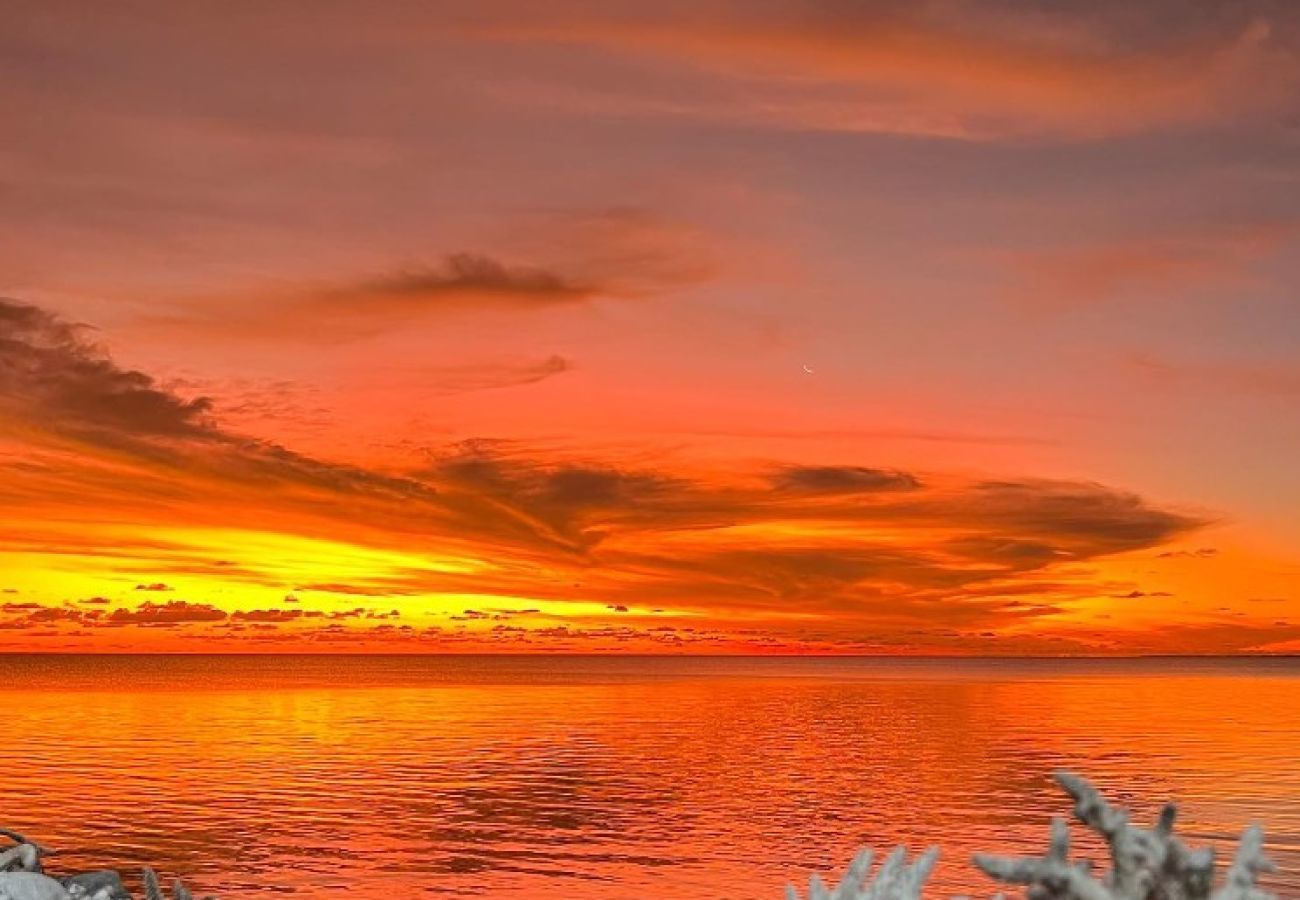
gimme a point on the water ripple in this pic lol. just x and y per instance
(599, 779)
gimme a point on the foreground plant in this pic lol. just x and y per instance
(1145, 864)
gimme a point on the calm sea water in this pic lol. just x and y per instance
(621, 777)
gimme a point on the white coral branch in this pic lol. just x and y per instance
(894, 880)
(1052, 875)
(1249, 862)
(30, 886)
(1146, 864)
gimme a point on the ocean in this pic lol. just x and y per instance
(611, 778)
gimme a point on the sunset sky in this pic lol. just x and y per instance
(931, 326)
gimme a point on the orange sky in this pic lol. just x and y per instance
(708, 327)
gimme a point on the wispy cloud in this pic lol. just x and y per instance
(938, 69)
(492, 376)
(1145, 266)
(464, 278)
(902, 435)
(1278, 380)
(578, 258)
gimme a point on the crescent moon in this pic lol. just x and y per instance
(807, 370)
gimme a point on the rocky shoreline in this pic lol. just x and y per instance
(23, 877)
(1146, 864)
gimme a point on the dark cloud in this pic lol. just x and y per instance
(845, 580)
(463, 379)
(53, 381)
(1082, 519)
(611, 253)
(562, 507)
(952, 541)
(155, 586)
(1200, 553)
(1005, 551)
(463, 278)
(47, 614)
(274, 615)
(173, 612)
(1035, 521)
(250, 404)
(1227, 637)
(843, 479)
(47, 365)
(356, 590)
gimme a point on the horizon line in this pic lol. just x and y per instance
(547, 655)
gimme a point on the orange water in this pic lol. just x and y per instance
(619, 777)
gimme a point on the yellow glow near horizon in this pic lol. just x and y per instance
(231, 561)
